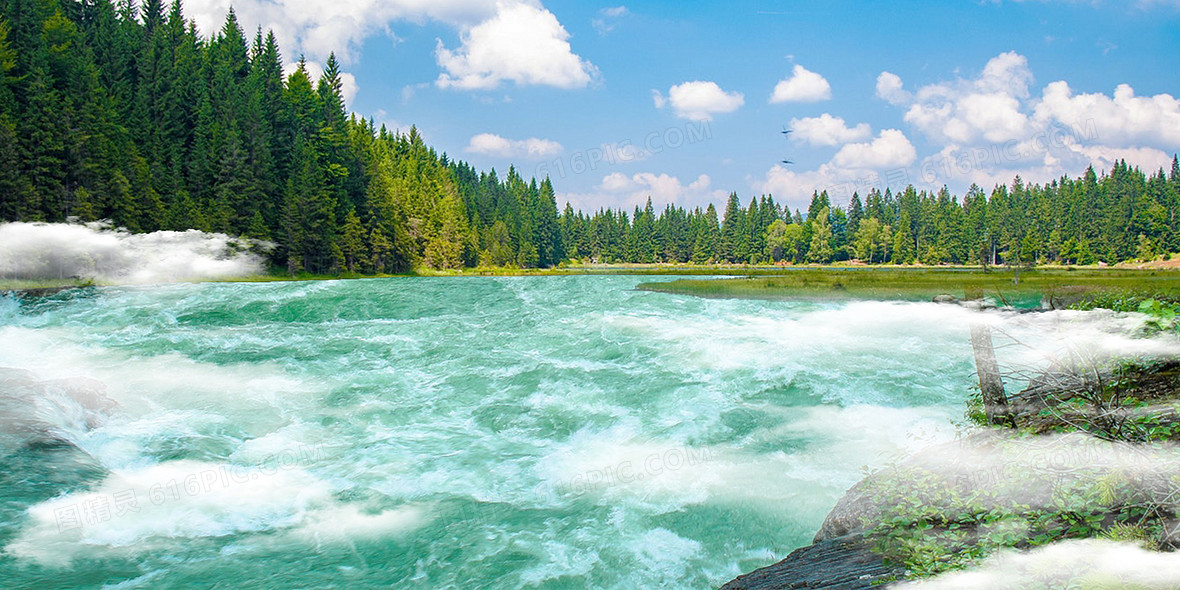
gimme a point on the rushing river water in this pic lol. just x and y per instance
(554, 432)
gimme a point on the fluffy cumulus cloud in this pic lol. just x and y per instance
(891, 90)
(532, 148)
(516, 41)
(699, 100)
(522, 43)
(998, 106)
(1121, 120)
(803, 85)
(792, 187)
(890, 149)
(884, 161)
(989, 128)
(319, 28)
(987, 108)
(828, 130)
(624, 191)
(982, 129)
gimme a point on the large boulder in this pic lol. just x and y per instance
(842, 563)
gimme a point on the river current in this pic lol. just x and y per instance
(547, 432)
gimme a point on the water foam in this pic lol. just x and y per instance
(159, 506)
(482, 433)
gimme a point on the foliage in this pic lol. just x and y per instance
(113, 111)
(930, 526)
(126, 113)
(1037, 287)
(1164, 316)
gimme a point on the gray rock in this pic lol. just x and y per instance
(842, 563)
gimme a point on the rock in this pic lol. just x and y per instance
(842, 563)
(994, 471)
(946, 299)
(850, 514)
(35, 412)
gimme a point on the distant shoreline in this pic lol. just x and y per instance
(1042, 287)
(776, 281)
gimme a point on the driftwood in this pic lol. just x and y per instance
(991, 384)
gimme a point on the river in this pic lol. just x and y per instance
(544, 432)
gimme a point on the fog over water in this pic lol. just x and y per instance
(95, 251)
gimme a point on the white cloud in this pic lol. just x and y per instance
(625, 192)
(793, 188)
(532, 148)
(994, 127)
(856, 167)
(987, 108)
(1124, 120)
(319, 28)
(657, 97)
(699, 100)
(1040, 159)
(523, 43)
(803, 86)
(891, 149)
(506, 40)
(1104, 157)
(608, 18)
(984, 130)
(889, 89)
(828, 130)
(382, 118)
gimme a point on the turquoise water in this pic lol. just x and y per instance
(545, 432)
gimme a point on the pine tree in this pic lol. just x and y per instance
(547, 232)
(731, 230)
(352, 242)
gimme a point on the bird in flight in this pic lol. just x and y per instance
(786, 134)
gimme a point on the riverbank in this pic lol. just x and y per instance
(1086, 462)
(1055, 288)
(779, 282)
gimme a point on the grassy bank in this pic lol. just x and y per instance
(1026, 288)
(276, 275)
(780, 283)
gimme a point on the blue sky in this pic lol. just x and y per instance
(686, 101)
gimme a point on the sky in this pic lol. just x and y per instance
(686, 102)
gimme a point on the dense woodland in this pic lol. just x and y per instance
(125, 112)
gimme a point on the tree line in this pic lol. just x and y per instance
(125, 112)
(1123, 214)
